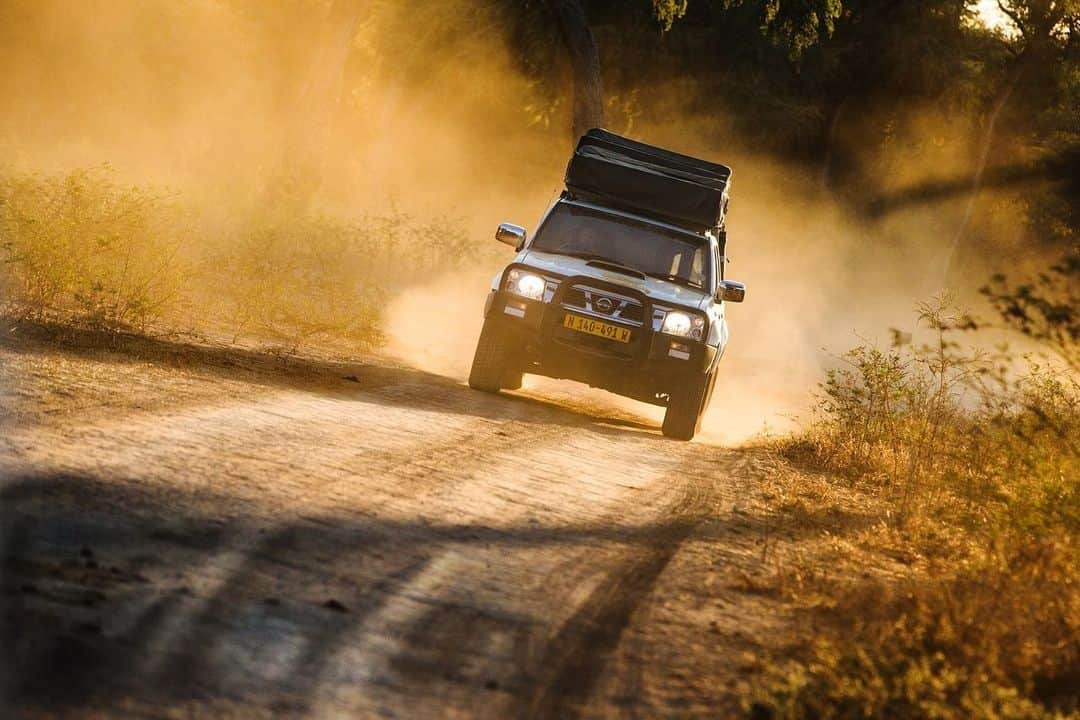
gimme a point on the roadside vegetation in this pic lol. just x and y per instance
(942, 482)
(961, 470)
(78, 248)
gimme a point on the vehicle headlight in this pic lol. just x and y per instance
(525, 284)
(682, 324)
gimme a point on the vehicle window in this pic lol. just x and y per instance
(676, 263)
(575, 231)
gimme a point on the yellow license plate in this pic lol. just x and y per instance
(595, 327)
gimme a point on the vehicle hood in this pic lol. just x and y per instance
(660, 291)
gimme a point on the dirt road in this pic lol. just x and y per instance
(194, 531)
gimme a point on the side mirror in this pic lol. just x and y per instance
(731, 291)
(510, 234)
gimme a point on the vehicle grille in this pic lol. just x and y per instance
(603, 303)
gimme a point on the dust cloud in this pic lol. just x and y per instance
(819, 282)
(435, 116)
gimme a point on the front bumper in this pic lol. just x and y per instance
(647, 368)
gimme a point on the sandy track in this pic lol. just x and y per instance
(361, 540)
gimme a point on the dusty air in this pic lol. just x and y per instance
(558, 359)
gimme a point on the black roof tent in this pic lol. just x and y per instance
(648, 180)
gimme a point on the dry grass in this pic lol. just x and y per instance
(80, 249)
(79, 245)
(295, 279)
(946, 582)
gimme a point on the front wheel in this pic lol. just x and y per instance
(685, 408)
(493, 366)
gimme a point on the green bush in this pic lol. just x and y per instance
(932, 426)
(80, 246)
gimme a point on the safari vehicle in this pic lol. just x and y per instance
(622, 284)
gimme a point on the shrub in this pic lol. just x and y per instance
(999, 639)
(80, 246)
(293, 279)
(943, 446)
(896, 417)
(1046, 309)
(291, 282)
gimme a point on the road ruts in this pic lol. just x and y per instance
(574, 658)
(404, 547)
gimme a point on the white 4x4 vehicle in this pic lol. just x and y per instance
(622, 284)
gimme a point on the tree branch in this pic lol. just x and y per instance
(1014, 16)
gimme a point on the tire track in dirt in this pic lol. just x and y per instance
(503, 650)
(456, 639)
(193, 629)
(264, 449)
(478, 555)
(576, 656)
(421, 474)
(197, 627)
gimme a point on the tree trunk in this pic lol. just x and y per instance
(585, 61)
(317, 100)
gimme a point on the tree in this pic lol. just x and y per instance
(668, 11)
(795, 25)
(800, 24)
(585, 65)
(884, 56)
(1044, 30)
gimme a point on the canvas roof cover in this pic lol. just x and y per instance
(648, 180)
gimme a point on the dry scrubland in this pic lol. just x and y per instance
(83, 249)
(932, 497)
(945, 489)
(938, 486)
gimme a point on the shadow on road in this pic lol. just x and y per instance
(113, 596)
(132, 596)
(372, 379)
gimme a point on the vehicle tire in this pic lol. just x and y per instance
(493, 366)
(512, 377)
(710, 389)
(685, 407)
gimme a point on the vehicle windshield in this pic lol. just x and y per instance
(670, 255)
